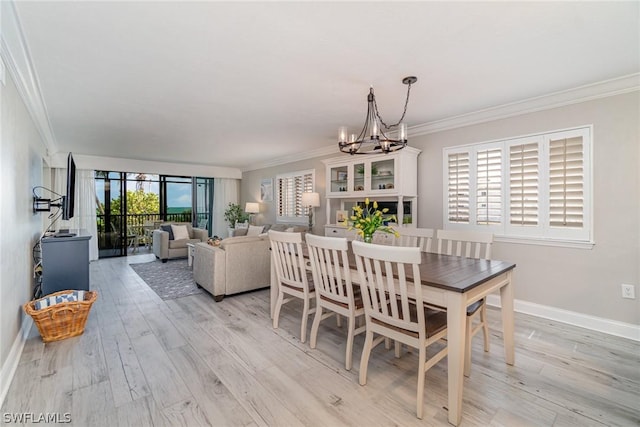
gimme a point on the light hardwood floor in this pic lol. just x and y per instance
(190, 361)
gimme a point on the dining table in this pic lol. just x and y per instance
(454, 283)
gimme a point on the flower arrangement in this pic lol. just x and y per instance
(368, 220)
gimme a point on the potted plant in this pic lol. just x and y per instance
(233, 215)
(360, 170)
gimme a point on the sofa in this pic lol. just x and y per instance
(259, 229)
(238, 264)
(165, 247)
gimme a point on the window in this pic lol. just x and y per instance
(290, 188)
(536, 186)
(458, 187)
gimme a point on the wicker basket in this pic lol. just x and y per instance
(63, 320)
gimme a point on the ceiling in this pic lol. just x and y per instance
(236, 83)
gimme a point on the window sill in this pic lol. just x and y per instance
(545, 242)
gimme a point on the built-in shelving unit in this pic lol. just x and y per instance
(389, 177)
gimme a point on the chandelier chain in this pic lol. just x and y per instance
(406, 102)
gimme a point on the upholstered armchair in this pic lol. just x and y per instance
(173, 244)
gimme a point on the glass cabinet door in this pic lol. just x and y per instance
(382, 175)
(358, 176)
(338, 178)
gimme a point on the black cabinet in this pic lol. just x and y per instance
(65, 262)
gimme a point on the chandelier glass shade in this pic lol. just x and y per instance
(372, 138)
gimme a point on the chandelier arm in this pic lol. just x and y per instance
(363, 133)
(406, 103)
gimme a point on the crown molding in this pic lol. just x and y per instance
(612, 87)
(14, 53)
(606, 88)
(290, 158)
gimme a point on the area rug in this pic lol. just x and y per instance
(173, 279)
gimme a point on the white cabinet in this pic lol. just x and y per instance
(373, 175)
(389, 177)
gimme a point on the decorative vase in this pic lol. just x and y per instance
(367, 238)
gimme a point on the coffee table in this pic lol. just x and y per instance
(191, 248)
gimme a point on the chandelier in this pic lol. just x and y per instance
(372, 139)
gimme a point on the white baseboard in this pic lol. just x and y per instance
(600, 324)
(11, 364)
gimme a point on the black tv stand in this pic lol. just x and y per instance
(65, 262)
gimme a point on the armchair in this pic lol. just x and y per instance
(165, 248)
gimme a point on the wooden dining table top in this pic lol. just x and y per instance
(448, 272)
(458, 274)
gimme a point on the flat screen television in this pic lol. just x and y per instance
(69, 199)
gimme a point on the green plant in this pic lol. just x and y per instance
(368, 220)
(360, 169)
(234, 214)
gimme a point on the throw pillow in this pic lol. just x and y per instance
(240, 232)
(168, 229)
(180, 232)
(254, 230)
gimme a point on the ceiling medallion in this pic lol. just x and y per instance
(372, 139)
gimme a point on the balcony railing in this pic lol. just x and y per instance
(112, 237)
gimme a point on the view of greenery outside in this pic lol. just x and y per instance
(142, 195)
(138, 202)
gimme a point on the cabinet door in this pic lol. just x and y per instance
(359, 183)
(383, 174)
(338, 178)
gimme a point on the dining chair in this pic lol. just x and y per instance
(470, 244)
(416, 237)
(291, 273)
(393, 306)
(334, 290)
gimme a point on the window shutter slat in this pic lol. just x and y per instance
(458, 188)
(489, 187)
(523, 184)
(290, 189)
(566, 177)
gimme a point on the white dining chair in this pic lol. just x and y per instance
(291, 273)
(334, 290)
(394, 308)
(415, 237)
(470, 244)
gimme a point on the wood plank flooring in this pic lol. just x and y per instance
(193, 362)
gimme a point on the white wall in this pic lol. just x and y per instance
(21, 165)
(578, 280)
(250, 189)
(118, 164)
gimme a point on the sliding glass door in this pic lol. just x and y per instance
(110, 213)
(203, 198)
(128, 203)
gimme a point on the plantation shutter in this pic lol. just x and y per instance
(524, 178)
(566, 182)
(489, 186)
(290, 189)
(458, 187)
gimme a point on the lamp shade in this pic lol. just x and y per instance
(311, 199)
(252, 207)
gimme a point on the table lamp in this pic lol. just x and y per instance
(312, 200)
(251, 208)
